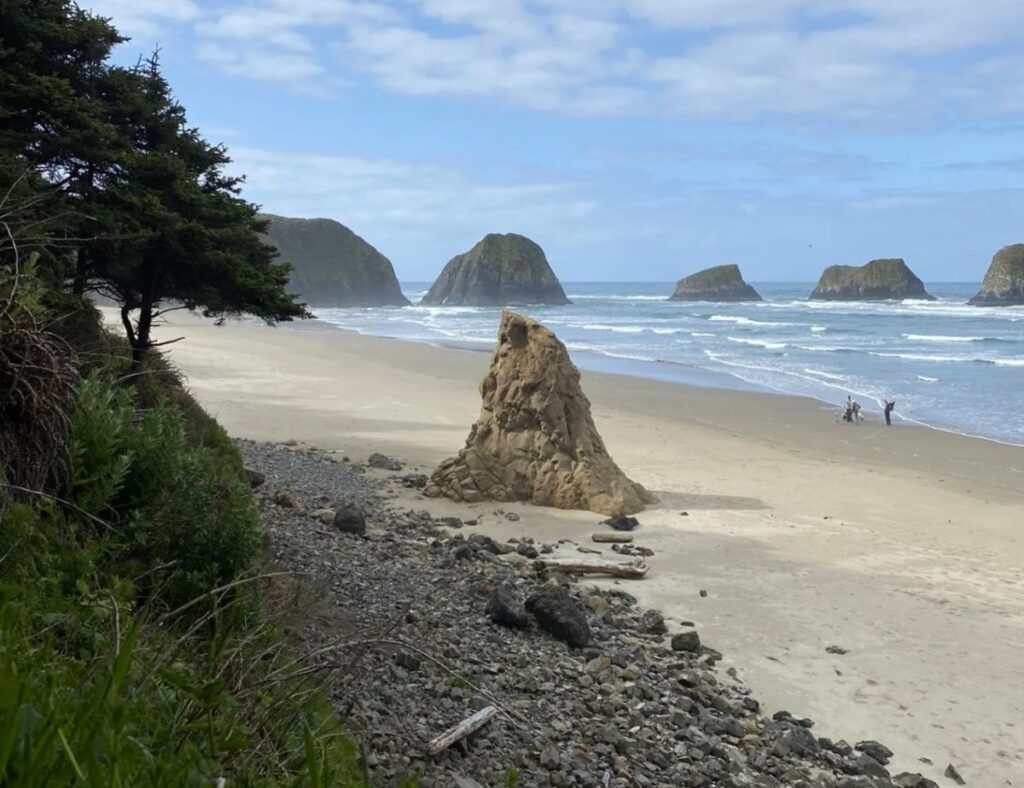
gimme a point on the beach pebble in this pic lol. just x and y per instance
(954, 775)
(285, 499)
(383, 462)
(653, 622)
(908, 780)
(621, 522)
(686, 641)
(879, 752)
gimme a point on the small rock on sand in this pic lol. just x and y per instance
(284, 498)
(384, 462)
(621, 522)
(686, 641)
(954, 775)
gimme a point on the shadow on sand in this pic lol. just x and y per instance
(678, 500)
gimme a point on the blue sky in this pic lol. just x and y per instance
(632, 139)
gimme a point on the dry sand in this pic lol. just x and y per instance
(901, 545)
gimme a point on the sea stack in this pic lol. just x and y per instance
(535, 439)
(501, 270)
(879, 280)
(1004, 281)
(720, 283)
(331, 265)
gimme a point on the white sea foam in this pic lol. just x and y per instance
(701, 334)
(926, 379)
(944, 339)
(819, 329)
(827, 375)
(745, 321)
(925, 357)
(615, 329)
(759, 343)
(606, 297)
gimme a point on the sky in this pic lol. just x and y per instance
(635, 140)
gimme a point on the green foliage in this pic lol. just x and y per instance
(174, 503)
(92, 693)
(99, 685)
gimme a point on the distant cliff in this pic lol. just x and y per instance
(1004, 281)
(721, 283)
(331, 265)
(879, 280)
(501, 270)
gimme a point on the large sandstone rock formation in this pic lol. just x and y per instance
(535, 439)
(331, 265)
(879, 280)
(721, 283)
(1004, 281)
(501, 270)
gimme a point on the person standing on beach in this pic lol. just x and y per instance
(889, 406)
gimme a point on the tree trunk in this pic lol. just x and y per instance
(140, 339)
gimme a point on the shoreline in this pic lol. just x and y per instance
(899, 545)
(606, 363)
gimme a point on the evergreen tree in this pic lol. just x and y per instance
(105, 158)
(55, 123)
(192, 241)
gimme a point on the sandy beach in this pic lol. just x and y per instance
(902, 546)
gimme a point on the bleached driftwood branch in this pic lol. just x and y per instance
(612, 536)
(469, 725)
(595, 566)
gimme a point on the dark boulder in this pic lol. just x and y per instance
(503, 608)
(686, 641)
(350, 519)
(255, 478)
(878, 751)
(621, 522)
(915, 780)
(383, 462)
(559, 614)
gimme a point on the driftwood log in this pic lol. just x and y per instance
(612, 536)
(595, 566)
(472, 723)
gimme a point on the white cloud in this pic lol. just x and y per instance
(382, 191)
(143, 18)
(733, 59)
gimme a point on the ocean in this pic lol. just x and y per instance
(948, 365)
